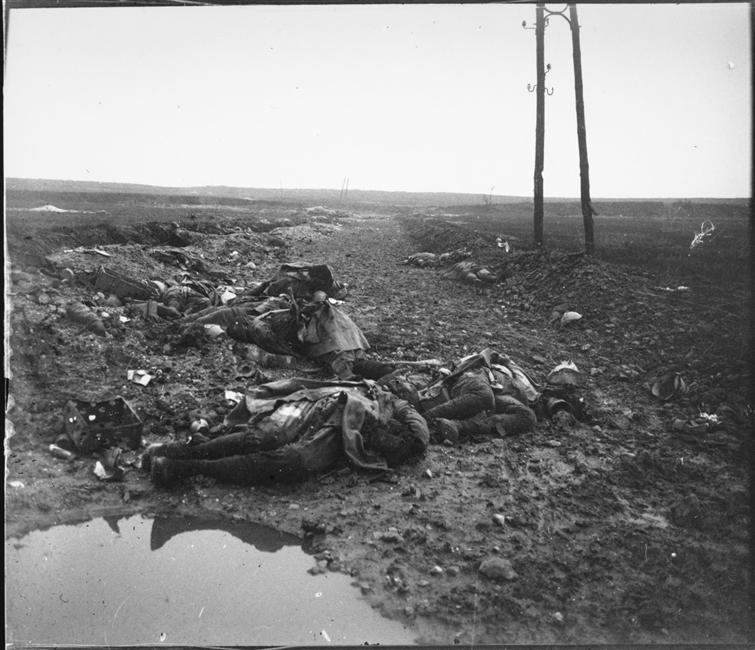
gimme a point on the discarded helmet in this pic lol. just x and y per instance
(565, 373)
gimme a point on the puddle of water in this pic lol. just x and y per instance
(180, 581)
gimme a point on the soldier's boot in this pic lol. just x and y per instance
(155, 450)
(166, 471)
(455, 430)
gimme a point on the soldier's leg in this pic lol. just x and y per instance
(512, 417)
(291, 463)
(263, 436)
(475, 396)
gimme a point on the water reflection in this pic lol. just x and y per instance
(263, 538)
(180, 580)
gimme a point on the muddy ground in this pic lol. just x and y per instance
(630, 528)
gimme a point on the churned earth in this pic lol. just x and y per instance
(630, 528)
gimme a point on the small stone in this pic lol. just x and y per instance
(453, 570)
(497, 568)
(558, 617)
(427, 473)
(500, 519)
(436, 570)
(293, 506)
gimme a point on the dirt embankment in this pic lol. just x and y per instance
(630, 528)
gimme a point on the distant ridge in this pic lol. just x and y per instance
(311, 195)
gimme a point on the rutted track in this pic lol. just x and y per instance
(626, 531)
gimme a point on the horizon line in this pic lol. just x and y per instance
(333, 189)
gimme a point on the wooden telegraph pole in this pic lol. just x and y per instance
(542, 16)
(584, 168)
(539, 122)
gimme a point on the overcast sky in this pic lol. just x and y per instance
(396, 97)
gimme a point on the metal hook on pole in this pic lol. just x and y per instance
(532, 87)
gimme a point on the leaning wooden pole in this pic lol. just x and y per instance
(539, 122)
(584, 168)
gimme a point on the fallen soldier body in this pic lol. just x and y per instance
(288, 430)
(294, 314)
(488, 394)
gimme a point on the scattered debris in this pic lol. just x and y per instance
(59, 452)
(110, 281)
(422, 259)
(706, 231)
(502, 243)
(668, 386)
(213, 331)
(95, 425)
(82, 249)
(139, 377)
(232, 397)
(108, 467)
(680, 288)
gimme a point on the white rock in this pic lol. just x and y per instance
(498, 568)
(570, 317)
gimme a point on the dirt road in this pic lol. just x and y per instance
(627, 529)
